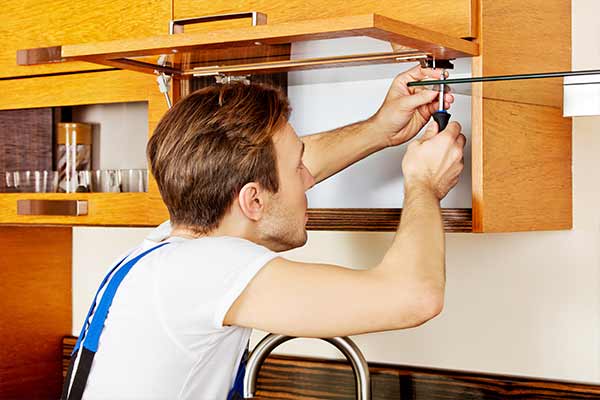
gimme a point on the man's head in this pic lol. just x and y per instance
(225, 158)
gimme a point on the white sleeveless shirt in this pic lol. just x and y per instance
(164, 336)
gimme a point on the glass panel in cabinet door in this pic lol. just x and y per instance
(260, 58)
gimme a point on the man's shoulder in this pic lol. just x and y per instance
(231, 250)
(160, 233)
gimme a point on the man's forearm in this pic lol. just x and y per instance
(418, 249)
(328, 153)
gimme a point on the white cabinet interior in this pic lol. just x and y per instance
(120, 133)
(328, 98)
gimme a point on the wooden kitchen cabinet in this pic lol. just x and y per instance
(45, 23)
(521, 144)
(132, 209)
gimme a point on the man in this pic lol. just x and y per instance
(233, 174)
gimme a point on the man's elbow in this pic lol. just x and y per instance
(430, 305)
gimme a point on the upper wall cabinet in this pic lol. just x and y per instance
(521, 144)
(122, 107)
(45, 23)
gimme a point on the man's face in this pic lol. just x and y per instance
(284, 219)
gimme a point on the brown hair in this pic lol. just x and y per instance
(210, 144)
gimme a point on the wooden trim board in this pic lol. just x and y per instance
(379, 219)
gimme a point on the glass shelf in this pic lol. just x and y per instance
(261, 58)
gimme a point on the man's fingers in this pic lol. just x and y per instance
(411, 75)
(452, 130)
(431, 131)
(417, 74)
(461, 140)
(418, 99)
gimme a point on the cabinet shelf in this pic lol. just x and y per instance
(109, 209)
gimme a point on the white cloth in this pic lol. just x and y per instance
(163, 337)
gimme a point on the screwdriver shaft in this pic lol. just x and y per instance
(442, 90)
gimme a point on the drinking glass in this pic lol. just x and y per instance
(9, 182)
(83, 181)
(24, 181)
(106, 180)
(133, 180)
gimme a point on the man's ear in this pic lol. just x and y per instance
(251, 200)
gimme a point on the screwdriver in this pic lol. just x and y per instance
(441, 116)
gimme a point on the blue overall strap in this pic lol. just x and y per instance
(92, 336)
(237, 391)
(81, 336)
(93, 306)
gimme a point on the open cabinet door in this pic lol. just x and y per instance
(220, 52)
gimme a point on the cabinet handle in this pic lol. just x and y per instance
(52, 207)
(176, 25)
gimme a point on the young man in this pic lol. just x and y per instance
(233, 174)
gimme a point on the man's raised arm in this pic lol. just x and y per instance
(404, 290)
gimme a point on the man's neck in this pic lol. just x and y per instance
(227, 227)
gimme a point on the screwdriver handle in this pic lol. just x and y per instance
(442, 118)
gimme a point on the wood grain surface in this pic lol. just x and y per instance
(33, 153)
(372, 25)
(35, 310)
(524, 37)
(43, 23)
(521, 144)
(77, 89)
(453, 17)
(522, 179)
(379, 219)
(303, 378)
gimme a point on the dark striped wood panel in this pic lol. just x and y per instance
(25, 140)
(379, 219)
(300, 378)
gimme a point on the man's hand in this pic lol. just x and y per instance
(406, 110)
(435, 160)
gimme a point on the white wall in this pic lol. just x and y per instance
(120, 133)
(522, 303)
